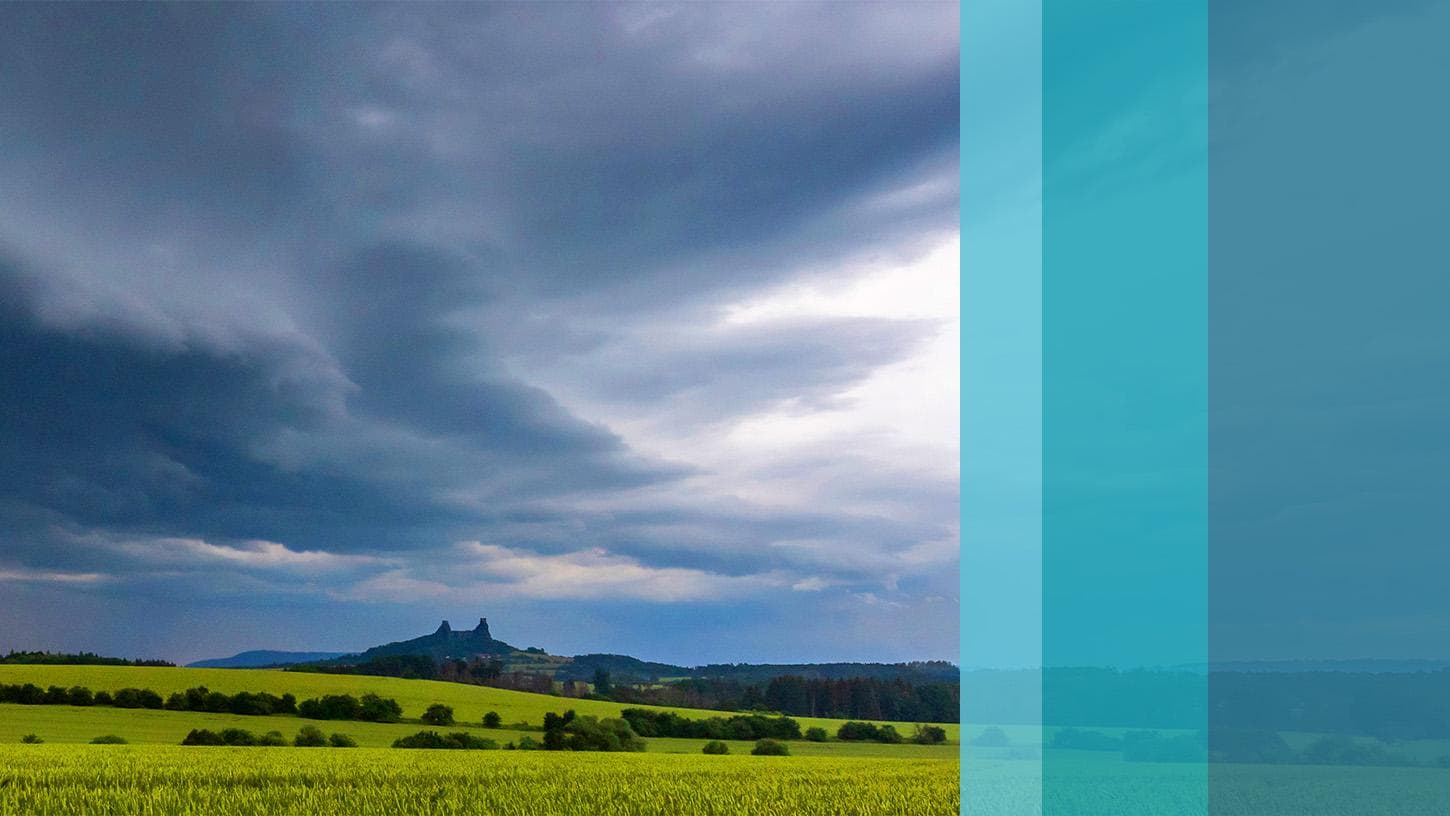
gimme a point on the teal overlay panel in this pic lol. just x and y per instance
(1329, 407)
(1124, 232)
(1001, 487)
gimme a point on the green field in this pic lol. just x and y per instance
(99, 780)
(154, 775)
(469, 702)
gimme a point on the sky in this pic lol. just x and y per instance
(633, 328)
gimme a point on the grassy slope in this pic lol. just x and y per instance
(73, 724)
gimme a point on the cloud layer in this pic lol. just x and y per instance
(394, 311)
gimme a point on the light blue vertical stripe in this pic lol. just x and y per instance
(1124, 379)
(1001, 390)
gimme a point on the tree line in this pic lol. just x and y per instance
(649, 723)
(858, 697)
(77, 659)
(368, 708)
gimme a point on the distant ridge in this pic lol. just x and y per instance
(262, 658)
(444, 643)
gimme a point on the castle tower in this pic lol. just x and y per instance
(482, 629)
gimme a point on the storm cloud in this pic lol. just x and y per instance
(321, 322)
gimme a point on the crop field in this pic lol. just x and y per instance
(154, 775)
(122, 780)
(469, 702)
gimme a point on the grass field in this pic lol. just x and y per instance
(469, 702)
(98, 780)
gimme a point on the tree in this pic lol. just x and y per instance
(602, 686)
(372, 708)
(816, 734)
(492, 720)
(341, 741)
(438, 714)
(716, 747)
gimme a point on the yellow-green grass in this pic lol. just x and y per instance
(469, 702)
(123, 780)
(81, 724)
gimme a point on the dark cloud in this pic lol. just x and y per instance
(281, 285)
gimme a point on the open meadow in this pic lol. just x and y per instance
(153, 774)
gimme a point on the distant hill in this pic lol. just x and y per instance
(262, 658)
(444, 643)
(447, 644)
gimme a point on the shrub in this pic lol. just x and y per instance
(457, 740)
(816, 734)
(715, 747)
(856, 731)
(492, 720)
(104, 698)
(770, 747)
(238, 736)
(438, 714)
(80, 696)
(55, 695)
(310, 736)
(109, 739)
(31, 739)
(528, 743)
(929, 735)
(341, 741)
(272, 738)
(202, 736)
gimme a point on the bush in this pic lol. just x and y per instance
(109, 739)
(202, 736)
(80, 696)
(816, 734)
(528, 743)
(310, 736)
(569, 732)
(860, 731)
(715, 747)
(457, 740)
(272, 738)
(104, 698)
(341, 741)
(438, 714)
(929, 735)
(31, 739)
(648, 723)
(770, 747)
(238, 736)
(492, 720)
